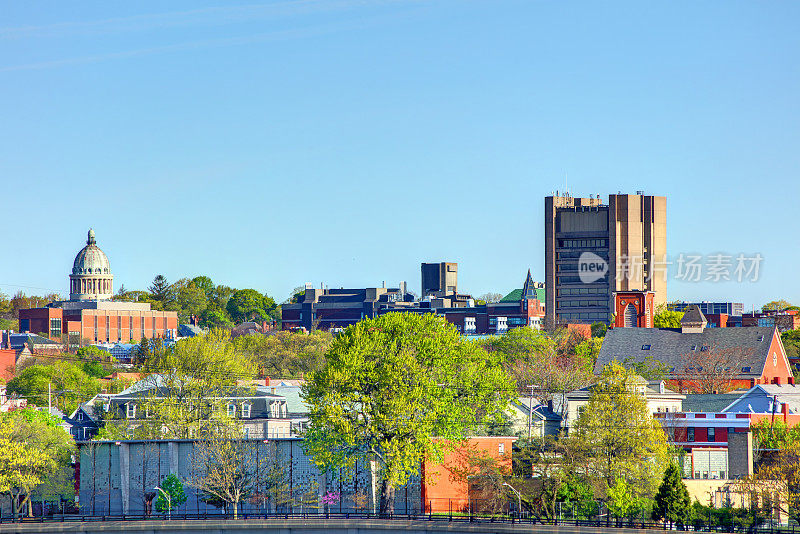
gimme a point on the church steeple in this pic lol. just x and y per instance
(529, 288)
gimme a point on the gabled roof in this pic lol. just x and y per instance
(540, 411)
(759, 399)
(671, 347)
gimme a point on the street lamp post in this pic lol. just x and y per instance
(519, 496)
(169, 501)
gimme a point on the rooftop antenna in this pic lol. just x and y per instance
(566, 184)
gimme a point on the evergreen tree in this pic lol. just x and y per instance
(672, 501)
(160, 289)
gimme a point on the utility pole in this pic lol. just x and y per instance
(530, 412)
(49, 400)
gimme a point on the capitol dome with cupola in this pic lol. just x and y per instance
(91, 277)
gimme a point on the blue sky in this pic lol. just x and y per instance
(341, 141)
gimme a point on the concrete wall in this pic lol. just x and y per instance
(119, 477)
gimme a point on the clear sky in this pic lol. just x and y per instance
(267, 144)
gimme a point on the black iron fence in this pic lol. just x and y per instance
(512, 517)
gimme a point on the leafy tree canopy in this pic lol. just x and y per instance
(395, 389)
(776, 305)
(69, 385)
(621, 438)
(668, 319)
(249, 304)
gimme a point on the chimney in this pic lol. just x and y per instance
(550, 405)
(776, 381)
(791, 380)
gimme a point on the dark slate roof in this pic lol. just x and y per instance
(709, 402)
(670, 347)
(693, 315)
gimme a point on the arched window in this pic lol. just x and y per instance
(630, 316)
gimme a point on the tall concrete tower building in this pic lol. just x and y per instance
(593, 250)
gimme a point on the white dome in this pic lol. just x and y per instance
(90, 259)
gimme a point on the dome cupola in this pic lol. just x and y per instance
(91, 277)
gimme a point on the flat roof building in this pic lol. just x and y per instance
(593, 250)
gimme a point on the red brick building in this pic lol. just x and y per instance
(445, 486)
(89, 315)
(750, 355)
(634, 309)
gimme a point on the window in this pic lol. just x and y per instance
(690, 434)
(745, 369)
(55, 327)
(231, 410)
(501, 448)
(711, 434)
(694, 347)
(130, 410)
(80, 416)
(87, 433)
(246, 432)
(704, 348)
(645, 347)
(246, 408)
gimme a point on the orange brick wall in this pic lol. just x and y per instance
(442, 491)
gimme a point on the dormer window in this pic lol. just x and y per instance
(761, 338)
(130, 410)
(246, 408)
(745, 369)
(694, 347)
(232, 411)
(645, 347)
(704, 348)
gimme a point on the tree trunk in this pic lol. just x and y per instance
(387, 498)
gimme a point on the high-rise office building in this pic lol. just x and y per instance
(593, 250)
(439, 279)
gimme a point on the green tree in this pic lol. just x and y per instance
(397, 389)
(35, 456)
(249, 305)
(205, 284)
(69, 385)
(619, 435)
(161, 291)
(791, 342)
(672, 502)
(599, 329)
(188, 384)
(93, 353)
(588, 349)
(546, 361)
(624, 500)
(776, 305)
(667, 319)
(189, 299)
(173, 487)
(214, 317)
(286, 354)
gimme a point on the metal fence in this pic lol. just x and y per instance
(441, 517)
